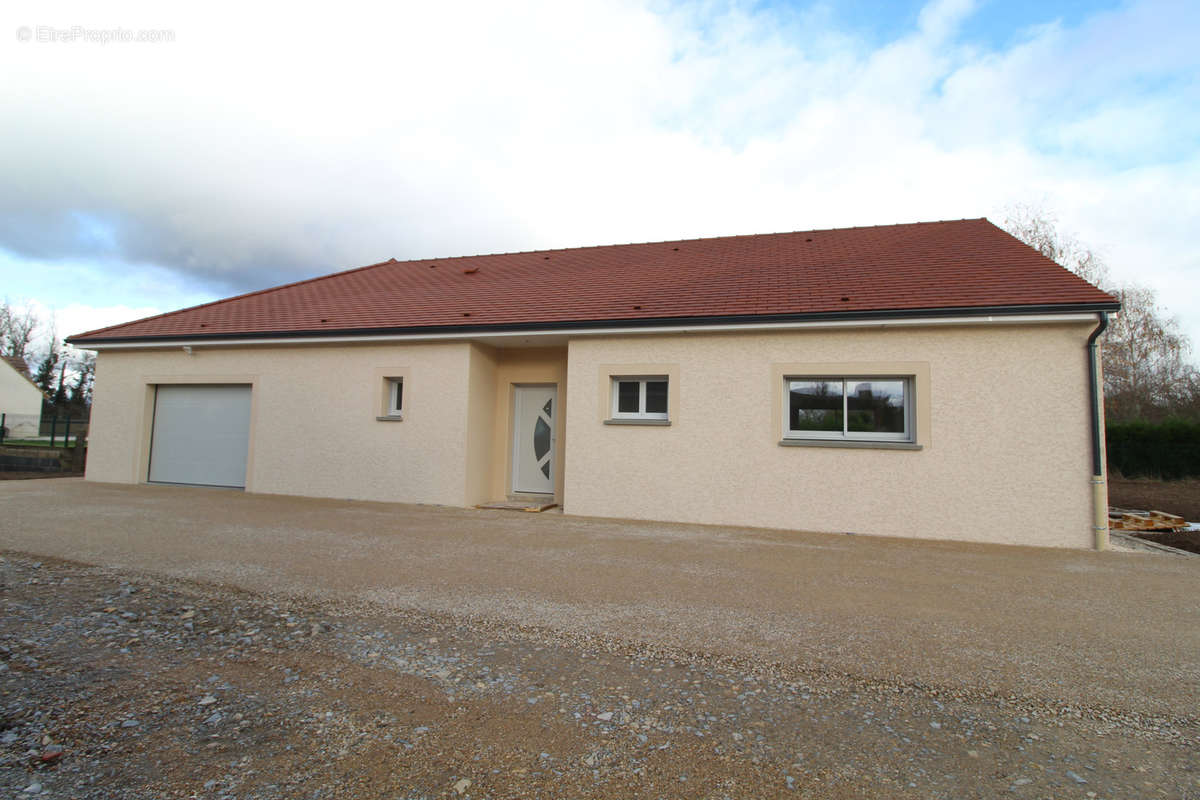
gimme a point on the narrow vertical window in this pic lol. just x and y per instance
(395, 397)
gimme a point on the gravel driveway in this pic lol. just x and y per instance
(635, 657)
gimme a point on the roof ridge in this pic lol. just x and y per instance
(677, 241)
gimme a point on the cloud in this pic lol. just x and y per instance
(264, 145)
(941, 18)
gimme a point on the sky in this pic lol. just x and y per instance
(209, 150)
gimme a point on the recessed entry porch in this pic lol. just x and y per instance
(525, 446)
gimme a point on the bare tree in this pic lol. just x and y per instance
(79, 394)
(17, 327)
(1037, 228)
(1148, 373)
(63, 373)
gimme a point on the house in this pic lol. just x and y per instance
(20, 399)
(931, 380)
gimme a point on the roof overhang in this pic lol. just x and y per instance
(547, 332)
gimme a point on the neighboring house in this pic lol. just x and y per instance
(20, 399)
(925, 380)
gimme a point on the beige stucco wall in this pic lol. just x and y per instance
(313, 418)
(481, 409)
(20, 402)
(1002, 420)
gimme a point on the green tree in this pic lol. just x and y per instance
(43, 374)
(59, 399)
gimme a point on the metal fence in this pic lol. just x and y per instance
(57, 426)
(19, 426)
(54, 431)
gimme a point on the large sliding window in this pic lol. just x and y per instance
(839, 407)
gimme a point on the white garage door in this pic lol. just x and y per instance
(201, 435)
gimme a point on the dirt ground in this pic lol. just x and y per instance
(124, 686)
(239, 646)
(1180, 540)
(1174, 497)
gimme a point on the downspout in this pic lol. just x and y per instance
(1099, 487)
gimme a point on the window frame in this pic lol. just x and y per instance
(641, 413)
(393, 398)
(907, 436)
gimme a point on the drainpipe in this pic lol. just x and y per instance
(1099, 488)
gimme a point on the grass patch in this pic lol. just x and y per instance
(37, 443)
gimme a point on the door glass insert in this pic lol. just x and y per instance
(541, 439)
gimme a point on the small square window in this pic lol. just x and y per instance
(639, 397)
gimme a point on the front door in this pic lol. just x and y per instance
(533, 438)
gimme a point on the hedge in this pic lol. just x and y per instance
(1168, 450)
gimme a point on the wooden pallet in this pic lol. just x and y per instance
(517, 505)
(1126, 519)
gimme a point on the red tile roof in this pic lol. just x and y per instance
(965, 264)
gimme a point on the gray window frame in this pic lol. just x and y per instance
(909, 435)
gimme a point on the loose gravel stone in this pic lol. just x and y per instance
(386, 703)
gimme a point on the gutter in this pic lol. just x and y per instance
(945, 316)
(1099, 484)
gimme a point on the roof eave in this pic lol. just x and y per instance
(644, 322)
